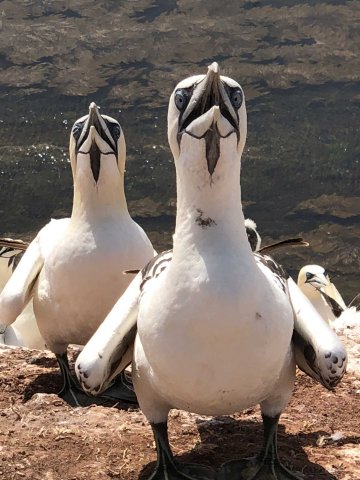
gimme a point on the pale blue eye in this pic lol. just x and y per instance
(181, 99)
(76, 131)
(236, 98)
(116, 131)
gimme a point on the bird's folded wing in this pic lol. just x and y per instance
(318, 350)
(19, 288)
(109, 350)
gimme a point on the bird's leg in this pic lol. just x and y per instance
(266, 466)
(71, 389)
(167, 468)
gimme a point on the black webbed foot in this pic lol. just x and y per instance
(266, 466)
(71, 391)
(121, 390)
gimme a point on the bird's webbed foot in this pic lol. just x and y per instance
(266, 466)
(71, 391)
(121, 390)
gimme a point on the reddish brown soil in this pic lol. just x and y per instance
(42, 438)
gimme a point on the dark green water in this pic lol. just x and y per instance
(297, 61)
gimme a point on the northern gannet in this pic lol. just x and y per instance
(315, 283)
(73, 269)
(209, 326)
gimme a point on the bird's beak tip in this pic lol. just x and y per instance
(216, 112)
(214, 67)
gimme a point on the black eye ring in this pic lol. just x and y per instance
(116, 131)
(236, 98)
(181, 99)
(309, 275)
(76, 131)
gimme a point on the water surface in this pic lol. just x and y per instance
(297, 61)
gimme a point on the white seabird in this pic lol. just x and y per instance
(211, 321)
(73, 269)
(315, 283)
(24, 331)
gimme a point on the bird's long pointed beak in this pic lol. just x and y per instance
(95, 117)
(95, 122)
(209, 101)
(94, 127)
(205, 95)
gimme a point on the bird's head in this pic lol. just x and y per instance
(97, 148)
(207, 123)
(313, 276)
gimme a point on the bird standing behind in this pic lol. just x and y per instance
(73, 269)
(315, 283)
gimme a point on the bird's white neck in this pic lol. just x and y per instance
(209, 210)
(102, 200)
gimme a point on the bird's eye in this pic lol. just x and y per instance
(309, 275)
(181, 99)
(116, 130)
(76, 131)
(236, 98)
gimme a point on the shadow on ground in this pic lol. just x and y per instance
(224, 439)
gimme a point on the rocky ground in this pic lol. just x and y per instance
(42, 438)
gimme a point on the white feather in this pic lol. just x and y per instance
(73, 270)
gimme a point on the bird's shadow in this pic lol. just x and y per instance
(51, 382)
(224, 439)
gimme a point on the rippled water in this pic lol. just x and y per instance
(299, 67)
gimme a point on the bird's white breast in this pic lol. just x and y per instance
(225, 336)
(83, 277)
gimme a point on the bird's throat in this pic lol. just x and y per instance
(95, 155)
(212, 143)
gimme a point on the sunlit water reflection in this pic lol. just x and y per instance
(298, 65)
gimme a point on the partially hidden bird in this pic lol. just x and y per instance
(72, 272)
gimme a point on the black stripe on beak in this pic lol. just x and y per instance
(95, 160)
